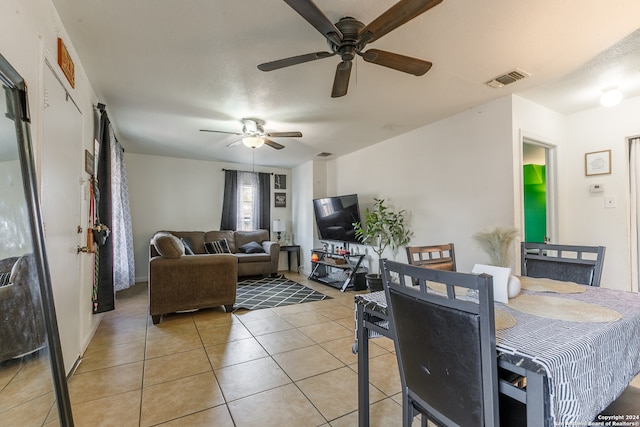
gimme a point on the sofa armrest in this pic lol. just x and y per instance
(273, 249)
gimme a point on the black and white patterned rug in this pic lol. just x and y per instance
(267, 292)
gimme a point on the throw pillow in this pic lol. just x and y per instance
(251, 248)
(4, 279)
(17, 269)
(168, 246)
(217, 247)
(188, 246)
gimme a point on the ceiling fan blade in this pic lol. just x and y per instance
(284, 134)
(234, 143)
(341, 80)
(273, 144)
(294, 60)
(399, 14)
(406, 64)
(309, 11)
(220, 131)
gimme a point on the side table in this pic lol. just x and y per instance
(290, 250)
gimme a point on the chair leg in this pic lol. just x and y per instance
(407, 410)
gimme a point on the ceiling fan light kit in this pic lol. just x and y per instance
(253, 141)
(254, 136)
(348, 37)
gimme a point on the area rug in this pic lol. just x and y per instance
(254, 294)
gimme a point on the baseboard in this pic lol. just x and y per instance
(142, 279)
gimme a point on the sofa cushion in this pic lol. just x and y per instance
(251, 248)
(4, 279)
(168, 245)
(211, 236)
(217, 247)
(188, 246)
(196, 238)
(243, 237)
(252, 258)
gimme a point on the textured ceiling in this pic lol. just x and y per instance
(166, 69)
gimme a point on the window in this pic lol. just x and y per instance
(248, 201)
(246, 204)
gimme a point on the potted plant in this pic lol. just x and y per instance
(383, 228)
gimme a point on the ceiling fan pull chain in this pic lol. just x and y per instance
(356, 58)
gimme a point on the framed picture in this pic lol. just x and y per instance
(280, 200)
(88, 162)
(280, 182)
(597, 163)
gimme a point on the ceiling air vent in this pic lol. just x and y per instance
(324, 154)
(508, 78)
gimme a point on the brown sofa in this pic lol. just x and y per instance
(180, 282)
(249, 264)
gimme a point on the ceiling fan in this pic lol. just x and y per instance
(254, 136)
(348, 37)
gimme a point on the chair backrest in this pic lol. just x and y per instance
(440, 257)
(571, 263)
(445, 345)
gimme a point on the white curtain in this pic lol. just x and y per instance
(634, 186)
(123, 262)
(248, 201)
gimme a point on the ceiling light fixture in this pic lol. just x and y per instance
(253, 141)
(611, 97)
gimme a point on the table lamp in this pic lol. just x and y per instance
(278, 227)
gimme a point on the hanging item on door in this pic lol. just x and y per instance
(90, 241)
(100, 234)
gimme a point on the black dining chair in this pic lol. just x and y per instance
(569, 263)
(445, 345)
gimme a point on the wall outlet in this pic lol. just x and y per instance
(609, 201)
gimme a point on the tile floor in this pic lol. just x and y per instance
(288, 366)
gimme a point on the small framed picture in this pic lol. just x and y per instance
(88, 162)
(597, 163)
(280, 182)
(280, 200)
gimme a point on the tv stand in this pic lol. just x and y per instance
(338, 271)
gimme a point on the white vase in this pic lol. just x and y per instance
(513, 287)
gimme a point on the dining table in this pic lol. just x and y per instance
(573, 348)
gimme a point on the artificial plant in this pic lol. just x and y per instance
(383, 228)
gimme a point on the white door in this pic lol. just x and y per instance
(61, 204)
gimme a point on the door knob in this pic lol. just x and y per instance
(82, 249)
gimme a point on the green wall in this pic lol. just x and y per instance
(535, 203)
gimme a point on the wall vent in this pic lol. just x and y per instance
(324, 154)
(508, 78)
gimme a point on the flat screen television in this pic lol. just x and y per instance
(335, 217)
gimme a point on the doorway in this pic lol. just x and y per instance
(538, 191)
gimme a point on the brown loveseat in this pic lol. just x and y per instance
(178, 281)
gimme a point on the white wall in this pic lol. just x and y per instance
(28, 32)
(167, 193)
(454, 178)
(584, 219)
